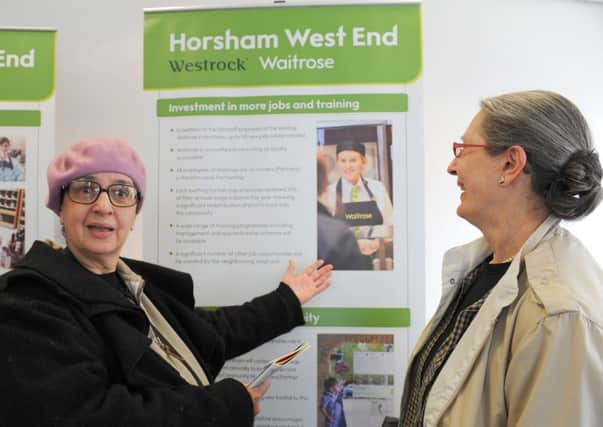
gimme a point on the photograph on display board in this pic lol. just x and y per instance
(12, 158)
(355, 379)
(12, 226)
(354, 192)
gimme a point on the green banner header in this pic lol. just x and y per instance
(20, 118)
(27, 64)
(293, 104)
(310, 45)
(358, 317)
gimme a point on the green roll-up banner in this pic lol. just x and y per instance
(27, 87)
(239, 102)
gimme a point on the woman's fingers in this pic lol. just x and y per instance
(313, 268)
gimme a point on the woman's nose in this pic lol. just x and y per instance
(103, 203)
(452, 167)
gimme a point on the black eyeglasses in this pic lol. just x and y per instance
(87, 192)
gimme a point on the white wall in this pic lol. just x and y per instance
(472, 49)
(479, 48)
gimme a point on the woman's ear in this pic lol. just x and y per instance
(515, 162)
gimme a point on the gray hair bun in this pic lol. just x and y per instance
(576, 191)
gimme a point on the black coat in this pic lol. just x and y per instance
(75, 352)
(337, 244)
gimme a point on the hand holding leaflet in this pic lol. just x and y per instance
(276, 364)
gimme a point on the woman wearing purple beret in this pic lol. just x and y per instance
(90, 338)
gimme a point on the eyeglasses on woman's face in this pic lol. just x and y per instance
(87, 192)
(457, 147)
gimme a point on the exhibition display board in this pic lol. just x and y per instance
(27, 81)
(238, 103)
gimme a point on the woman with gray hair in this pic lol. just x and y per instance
(518, 336)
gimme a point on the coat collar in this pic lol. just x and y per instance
(457, 263)
(60, 267)
(460, 260)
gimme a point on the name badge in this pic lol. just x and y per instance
(362, 213)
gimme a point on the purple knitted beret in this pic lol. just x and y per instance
(92, 156)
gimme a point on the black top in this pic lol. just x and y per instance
(436, 350)
(116, 282)
(488, 275)
(337, 244)
(113, 279)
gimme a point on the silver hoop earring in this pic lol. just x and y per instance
(501, 180)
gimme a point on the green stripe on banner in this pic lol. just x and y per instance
(31, 118)
(358, 317)
(352, 317)
(294, 104)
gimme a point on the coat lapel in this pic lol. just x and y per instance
(478, 334)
